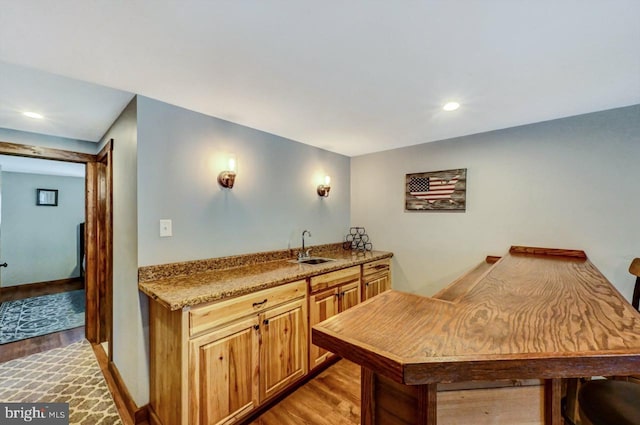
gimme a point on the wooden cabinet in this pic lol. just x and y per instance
(210, 316)
(321, 306)
(240, 363)
(376, 286)
(222, 364)
(236, 367)
(283, 351)
(349, 295)
(215, 363)
(376, 278)
(331, 293)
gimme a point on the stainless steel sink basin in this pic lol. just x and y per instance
(313, 260)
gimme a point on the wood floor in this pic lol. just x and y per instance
(333, 398)
(38, 344)
(19, 292)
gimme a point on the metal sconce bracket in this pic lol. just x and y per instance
(323, 190)
(226, 179)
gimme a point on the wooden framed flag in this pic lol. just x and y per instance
(436, 191)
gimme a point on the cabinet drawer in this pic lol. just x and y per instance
(331, 279)
(222, 312)
(374, 269)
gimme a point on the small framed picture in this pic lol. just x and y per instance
(47, 197)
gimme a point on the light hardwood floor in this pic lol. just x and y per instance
(333, 398)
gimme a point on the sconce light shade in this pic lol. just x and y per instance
(323, 189)
(227, 178)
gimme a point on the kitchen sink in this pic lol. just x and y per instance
(314, 260)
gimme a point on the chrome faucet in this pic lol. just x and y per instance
(303, 253)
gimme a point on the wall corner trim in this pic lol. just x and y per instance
(127, 408)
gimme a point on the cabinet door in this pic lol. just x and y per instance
(349, 295)
(377, 286)
(283, 351)
(222, 384)
(321, 306)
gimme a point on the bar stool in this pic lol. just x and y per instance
(609, 402)
(612, 401)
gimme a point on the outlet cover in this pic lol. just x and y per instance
(165, 228)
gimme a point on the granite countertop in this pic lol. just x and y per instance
(192, 289)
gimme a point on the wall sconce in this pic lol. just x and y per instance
(227, 178)
(323, 189)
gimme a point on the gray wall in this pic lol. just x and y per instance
(35, 139)
(163, 168)
(40, 243)
(180, 155)
(130, 307)
(568, 183)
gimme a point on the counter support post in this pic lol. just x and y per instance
(367, 404)
(385, 401)
(428, 404)
(552, 401)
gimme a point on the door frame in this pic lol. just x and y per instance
(103, 244)
(92, 220)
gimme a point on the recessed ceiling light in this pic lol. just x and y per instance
(33, 115)
(451, 106)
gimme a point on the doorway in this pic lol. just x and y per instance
(96, 238)
(41, 283)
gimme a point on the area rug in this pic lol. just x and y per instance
(69, 374)
(22, 319)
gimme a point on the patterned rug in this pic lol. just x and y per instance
(69, 374)
(22, 319)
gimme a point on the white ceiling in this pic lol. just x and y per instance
(18, 164)
(352, 76)
(72, 108)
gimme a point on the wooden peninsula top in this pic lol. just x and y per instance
(536, 313)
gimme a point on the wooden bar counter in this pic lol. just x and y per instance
(536, 313)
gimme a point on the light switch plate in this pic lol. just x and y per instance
(165, 228)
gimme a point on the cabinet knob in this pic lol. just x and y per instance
(265, 321)
(256, 327)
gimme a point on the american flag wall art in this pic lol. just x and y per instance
(436, 191)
